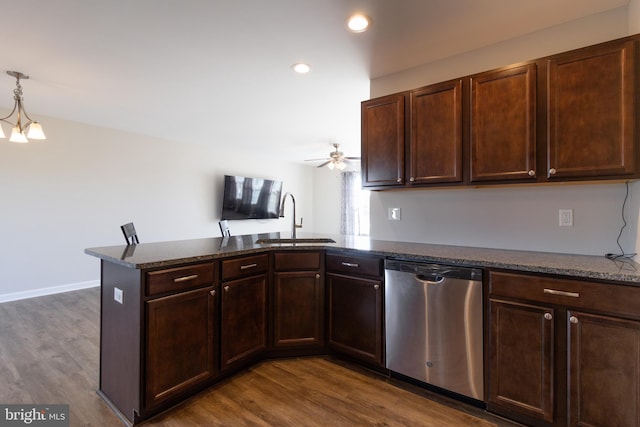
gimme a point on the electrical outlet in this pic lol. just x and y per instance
(118, 295)
(394, 214)
(565, 217)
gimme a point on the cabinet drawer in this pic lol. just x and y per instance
(180, 278)
(245, 266)
(357, 265)
(287, 261)
(617, 299)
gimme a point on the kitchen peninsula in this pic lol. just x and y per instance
(178, 316)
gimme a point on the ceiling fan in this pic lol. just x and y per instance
(335, 160)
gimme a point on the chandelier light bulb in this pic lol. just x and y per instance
(17, 136)
(35, 131)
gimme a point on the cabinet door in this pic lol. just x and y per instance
(503, 125)
(243, 320)
(355, 317)
(592, 112)
(521, 359)
(383, 141)
(298, 307)
(436, 134)
(604, 371)
(180, 350)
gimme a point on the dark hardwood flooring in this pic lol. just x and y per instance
(49, 354)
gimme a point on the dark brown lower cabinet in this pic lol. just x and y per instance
(355, 317)
(180, 350)
(604, 370)
(563, 352)
(243, 325)
(298, 301)
(522, 358)
(298, 307)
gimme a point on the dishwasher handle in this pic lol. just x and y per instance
(430, 270)
(432, 279)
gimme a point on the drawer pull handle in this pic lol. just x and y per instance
(548, 316)
(562, 293)
(350, 264)
(247, 266)
(185, 278)
(573, 319)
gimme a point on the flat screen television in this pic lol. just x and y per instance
(250, 198)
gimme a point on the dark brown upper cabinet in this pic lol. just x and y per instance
(383, 133)
(592, 112)
(435, 151)
(567, 117)
(503, 124)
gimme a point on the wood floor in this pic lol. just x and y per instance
(49, 354)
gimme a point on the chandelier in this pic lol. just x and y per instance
(21, 131)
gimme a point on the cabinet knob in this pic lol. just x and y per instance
(412, 179)
(226, 289)
(376, 287)
(573, 319)
(213, 293)
(399, 180)
(552, 171)
(548, 316)
(317, 275)
(532, 173)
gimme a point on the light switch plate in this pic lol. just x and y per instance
(118, 295)
(394, 214)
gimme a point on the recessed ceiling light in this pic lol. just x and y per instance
(358, 23)
(301, 68)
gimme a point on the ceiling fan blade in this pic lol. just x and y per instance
(324, 164)
(317, 160)
(352, 158)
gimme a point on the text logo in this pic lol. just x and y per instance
(34, 415)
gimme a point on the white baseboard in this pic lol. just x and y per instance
(48, 291)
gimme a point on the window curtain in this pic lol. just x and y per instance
(354, 202)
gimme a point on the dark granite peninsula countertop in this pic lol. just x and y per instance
(165, 254)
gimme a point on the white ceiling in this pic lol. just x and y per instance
(218, 71)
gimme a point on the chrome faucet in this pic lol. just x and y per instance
(293, 219)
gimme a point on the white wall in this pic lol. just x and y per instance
(634, 16)
(583, 32)
(522, 218)
(514, 217)
(75, 189)
(326, 200)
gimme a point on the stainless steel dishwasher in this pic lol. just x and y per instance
(433, 320)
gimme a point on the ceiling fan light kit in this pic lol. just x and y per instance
(21, 132)
(336, 160)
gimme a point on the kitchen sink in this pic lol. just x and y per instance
(299, 240)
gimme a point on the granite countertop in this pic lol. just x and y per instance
(165, 254)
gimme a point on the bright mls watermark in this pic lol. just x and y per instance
(34, 415)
